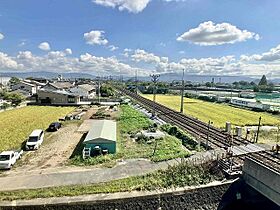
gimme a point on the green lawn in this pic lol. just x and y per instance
(131, 121)
(219, 114)
(17, 124)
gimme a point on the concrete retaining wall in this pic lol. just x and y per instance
(262, 179)
(195, 199)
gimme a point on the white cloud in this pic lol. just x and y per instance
(113, 48)
(272, 55)
(209, 33)
(162, 44)
(58, 61)
(1, 36)
(44, 46)
(68, 51)
(7, 62)
(141, 55)
(134, 6)
(22, 43)
(126, 52)
(59, 54)
(95, 37)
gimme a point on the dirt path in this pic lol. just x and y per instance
(55, 151)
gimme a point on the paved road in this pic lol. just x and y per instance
(124, 169)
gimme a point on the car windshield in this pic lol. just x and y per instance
(53, 124)
(33, 139)
(4, 157)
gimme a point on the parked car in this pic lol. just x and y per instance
(35, 140)
(54, 126)
(69, 117)
(9, 158)
(79, 116)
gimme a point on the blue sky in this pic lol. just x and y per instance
(122, 36)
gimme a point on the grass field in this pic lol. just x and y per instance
(17, 124)
(130, 122)
(219, 114)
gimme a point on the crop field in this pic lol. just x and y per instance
(17, 124)
(219, 114)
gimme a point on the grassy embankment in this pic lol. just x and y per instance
(17, 124)
(129, 122)
(219, 114)
(175, 176)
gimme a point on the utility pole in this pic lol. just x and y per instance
(98, 89)
(230, 92)
(208, 134)
(182, 92)
(258, 129)
(136, 80)
(155, 78)
(277, 134)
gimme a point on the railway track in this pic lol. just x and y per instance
(270, 160)
(216, 137)
(211, 136)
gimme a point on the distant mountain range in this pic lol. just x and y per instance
(163, 77)
(45, 74)
(202, 78)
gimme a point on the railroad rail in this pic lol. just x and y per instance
(211, 136)
(216, 137)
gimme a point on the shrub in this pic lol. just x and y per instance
(187, 140)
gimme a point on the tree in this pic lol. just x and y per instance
(263, 81)
(14, 81)
(15, 98)
(252, 83)
(106, 91)
(5, 106)
(208, 84)
(256, 88)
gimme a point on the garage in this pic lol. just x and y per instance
(101, 138)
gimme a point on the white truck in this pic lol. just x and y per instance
(35, 140)
(9, 158)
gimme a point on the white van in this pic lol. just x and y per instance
(35, 140)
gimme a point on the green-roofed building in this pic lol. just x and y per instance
(103, 134)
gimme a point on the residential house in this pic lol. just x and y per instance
(84, 91)
(25, 87)
(57, 97)
(58, 86)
